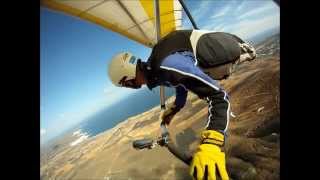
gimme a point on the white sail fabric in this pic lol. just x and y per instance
(131, 18)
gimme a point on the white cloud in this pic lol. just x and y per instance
(266, 16)
(108, 90)
(221, 12)
(266, 7)
(249, 28)
(42, 132)
(215, 27)
(240, 7)
(200, 11)
(62, 115)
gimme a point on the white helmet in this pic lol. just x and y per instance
(122, 67)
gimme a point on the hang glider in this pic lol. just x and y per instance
(133, 19)
(144, 21)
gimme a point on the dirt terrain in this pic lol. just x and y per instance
(252, 146)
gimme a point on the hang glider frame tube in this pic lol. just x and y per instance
(158, 29)
(188, 14)
(157, 15)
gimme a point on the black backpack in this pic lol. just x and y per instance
(217, 53)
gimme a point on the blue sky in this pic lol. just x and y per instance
(73, 60)
(245, 18)
(74, 55)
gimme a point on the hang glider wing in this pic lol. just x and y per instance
(131, 18)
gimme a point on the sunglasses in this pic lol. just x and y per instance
(131, 83)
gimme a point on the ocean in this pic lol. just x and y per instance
(135, 104)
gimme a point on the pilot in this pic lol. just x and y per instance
(183, 60)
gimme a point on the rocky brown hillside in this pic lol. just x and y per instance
(269, 47)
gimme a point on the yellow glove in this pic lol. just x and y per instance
(168, 113)
(209, 160)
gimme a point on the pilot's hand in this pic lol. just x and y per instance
(167, 115)
(209, 161)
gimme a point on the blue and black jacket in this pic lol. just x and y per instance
(176, 66)
(178, 70)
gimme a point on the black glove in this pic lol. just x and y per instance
(167, 115)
